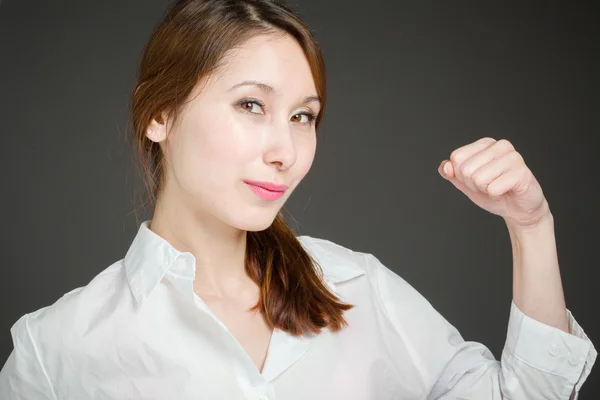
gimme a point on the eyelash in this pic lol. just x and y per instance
(310, 115)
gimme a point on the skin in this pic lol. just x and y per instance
(206, 208)
(494, 176)
(220, 140)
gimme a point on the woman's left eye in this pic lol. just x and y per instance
(309, 117)
(251, 106)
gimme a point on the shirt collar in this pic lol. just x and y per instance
(336, 261)
(150, 257)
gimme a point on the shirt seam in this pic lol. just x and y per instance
(39, 359)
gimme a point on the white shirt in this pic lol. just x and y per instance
(138, 331)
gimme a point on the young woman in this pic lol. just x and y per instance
(217, 299)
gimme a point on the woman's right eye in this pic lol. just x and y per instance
(251, 106)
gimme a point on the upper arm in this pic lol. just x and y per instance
(23, 376)
(445, 361)
(454, 368)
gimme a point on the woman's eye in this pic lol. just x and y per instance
(251, 106)
(304, 118)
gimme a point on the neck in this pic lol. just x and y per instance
(219, 249)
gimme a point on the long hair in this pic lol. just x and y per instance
(188, 44)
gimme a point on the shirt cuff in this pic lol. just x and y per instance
(549, 349)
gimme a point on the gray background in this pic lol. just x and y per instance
(408, 83)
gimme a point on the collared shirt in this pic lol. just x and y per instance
(138, 331)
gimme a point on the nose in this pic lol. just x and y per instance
(280, 147)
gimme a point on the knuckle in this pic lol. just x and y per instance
(516, 157)
(519, 156)
(478, 180)
(487, 139)
(466, 170)
(504, 143)
(456, 157)
(493, 191)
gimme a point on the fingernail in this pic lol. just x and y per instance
(446, 168)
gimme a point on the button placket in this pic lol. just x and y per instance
(573, 359)
(554, 350)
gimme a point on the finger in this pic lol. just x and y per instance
(475, 196)
(486, 156)
(513, 179)
(462, 154)
(484, 175)
(445, 169)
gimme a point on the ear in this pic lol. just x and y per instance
(157, 129)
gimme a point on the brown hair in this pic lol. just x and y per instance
(187, 45)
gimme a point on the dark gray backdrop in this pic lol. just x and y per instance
(408, 83)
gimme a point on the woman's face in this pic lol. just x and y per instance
(251, 122)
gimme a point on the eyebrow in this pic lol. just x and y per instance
(269, 89)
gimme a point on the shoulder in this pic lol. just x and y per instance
(340, 262)
(333, 256)
(64, 321)
(320, 247)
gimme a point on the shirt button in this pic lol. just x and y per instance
(263, 397)
(573, 360)
(553, 350)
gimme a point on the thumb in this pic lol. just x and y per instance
(446, 170)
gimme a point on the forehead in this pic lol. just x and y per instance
(274, 59)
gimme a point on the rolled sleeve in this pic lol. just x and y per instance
(536, 352)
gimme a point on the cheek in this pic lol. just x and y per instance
(229, 143)
(216, 151)
(305, 157)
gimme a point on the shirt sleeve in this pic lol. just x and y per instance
(538, 361)
(23, 376)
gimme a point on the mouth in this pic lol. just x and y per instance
(266, 190)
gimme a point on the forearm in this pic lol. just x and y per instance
(537, 285)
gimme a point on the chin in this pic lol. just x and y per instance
(256, 228)
(255, 223)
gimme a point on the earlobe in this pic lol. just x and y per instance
(155, 132)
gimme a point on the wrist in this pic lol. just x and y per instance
(543, 225)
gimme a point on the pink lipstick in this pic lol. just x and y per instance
(266, 190)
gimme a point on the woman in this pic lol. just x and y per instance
(217, 299)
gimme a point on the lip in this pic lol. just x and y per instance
(272, 187)
(266, 190)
